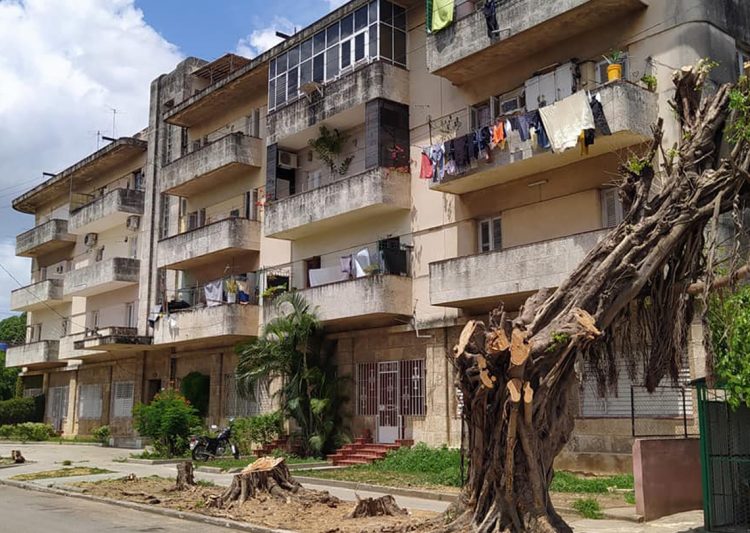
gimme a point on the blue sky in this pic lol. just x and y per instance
(210, 29)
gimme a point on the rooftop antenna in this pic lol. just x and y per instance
(114, 121)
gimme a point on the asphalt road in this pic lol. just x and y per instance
(36, 512)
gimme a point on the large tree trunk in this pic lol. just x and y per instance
(518, 375)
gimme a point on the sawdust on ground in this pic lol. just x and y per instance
(269, 512)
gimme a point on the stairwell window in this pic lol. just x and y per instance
(490, 236)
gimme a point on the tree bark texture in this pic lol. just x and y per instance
(267, 475)
(383, 506)
(185, 478)
(520, 374)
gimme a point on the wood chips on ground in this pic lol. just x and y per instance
(266, 511)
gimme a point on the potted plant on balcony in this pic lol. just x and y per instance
(614, 69)
(232, 288)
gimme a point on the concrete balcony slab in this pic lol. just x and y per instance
(34, 354)
(106, 212)
(47, 237)
(207, 325)
(37, 295)
(101, 277)
(113, 339)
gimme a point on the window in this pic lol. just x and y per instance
(164, 230)
(743, 57)
(490, 235)
(367, 389)
(130, 311)
(412, 392)
(122, 399)
(481, 115)
(63, 327)
(612, 213)
(601, 70)
(236, 405)
(89, 402)
(93, 320)
(133, 246)
(35, 332)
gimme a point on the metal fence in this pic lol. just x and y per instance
(666, 412)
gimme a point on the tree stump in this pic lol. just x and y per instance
(17, 456)
(267, 475)
(185, 479)
(383, 506)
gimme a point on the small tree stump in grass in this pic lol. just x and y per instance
(17, 456)
(383, 506)
(185, 479)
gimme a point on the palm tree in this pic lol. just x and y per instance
(292, 348)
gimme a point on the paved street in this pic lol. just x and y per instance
(34, 512)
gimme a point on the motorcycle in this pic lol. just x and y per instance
(204, 448)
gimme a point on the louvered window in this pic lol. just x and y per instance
(90, 402)
(122, 395)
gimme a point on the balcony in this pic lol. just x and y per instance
(372, 193)
(216, 324)
(230, 237)
(371, 301)
(37, 295)
(341, 103)
(112, 338)
(106, 212)
(481, 281)
(37, 354)
(464, 52)
(103, 276)
(630, 110)
(222, 160)
(44, 238)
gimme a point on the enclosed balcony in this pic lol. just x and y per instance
(103, 276)
(106, 212)
(464, 51)
(480, 281)
(372, 193)
(629, 109)
(47, 237)
(37, 295)
(230, 237)
(208, 324)
(221, 161)
(36, 354)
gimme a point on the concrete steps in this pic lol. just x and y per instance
(364, 451)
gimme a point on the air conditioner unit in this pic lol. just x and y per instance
(133, 222)
(287, 160)
(90, 240)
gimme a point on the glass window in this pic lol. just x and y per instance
(386, 12)
(319, 42)
(386, 41)
(332, 63)
(272, 94)
(360, 19)
(319, 68)
(399, 47)
(490, 234)
(293, 57)
(399, 17)
(347, 24)
(305, 72)
(272, 69)
(292, 83)
(332, 34)
(373, 9)
(281, 64)
(346, 53)
(281, 89)
(359, 47)
(305, 50)
(373, 49)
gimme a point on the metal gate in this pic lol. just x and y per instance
(57, 406)
(725, 460)
(388, 381)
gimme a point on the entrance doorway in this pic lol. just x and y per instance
(388, 417)
(57, 406)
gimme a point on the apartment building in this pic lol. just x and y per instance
(234, 191)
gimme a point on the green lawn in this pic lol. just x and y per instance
(63, 472)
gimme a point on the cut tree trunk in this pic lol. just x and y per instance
(185, 479)
(383, 506)
(17, 456)
(268, 475)
(520, 375)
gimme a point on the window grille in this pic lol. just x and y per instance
(367, 389)
(237, 406)
(89, 402)
(122, 394)
(413, 387)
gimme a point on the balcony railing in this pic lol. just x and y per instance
(103, 276)
(107, 211)
(629, 109)
(37, 295)
(39, 353)
(372, 193)
(486, 278)
(226, 158)
(46, 237)
(465, 51)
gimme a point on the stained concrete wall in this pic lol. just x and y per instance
(119, 201)
(49, 234)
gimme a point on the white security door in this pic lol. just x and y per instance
(388, 381)
(57, 406)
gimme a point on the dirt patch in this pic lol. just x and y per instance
(306, 516)
(63, 472)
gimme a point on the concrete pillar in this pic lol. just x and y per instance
(438, 417)
(214, 402)
(106, 416)
(70, 426)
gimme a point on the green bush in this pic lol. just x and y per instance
(34, 431)
(256, 431)
(567, 482)
(101, 434)
(18, 410)
(168, 420)
(588, 508)
(441, 465)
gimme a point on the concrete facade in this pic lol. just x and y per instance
(36, 295)
(102, 276)
(49, 236)
(33, 353)
(106, 212)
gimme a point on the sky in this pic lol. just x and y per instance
(65, 65)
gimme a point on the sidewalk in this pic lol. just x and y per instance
(50, 457)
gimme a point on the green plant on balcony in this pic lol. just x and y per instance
(372, 270)
(328, 147)
(649, 80)
(272, 292)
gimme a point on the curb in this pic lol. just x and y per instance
(172, 513)
(153, 462)
(53, 443)
(413, 493)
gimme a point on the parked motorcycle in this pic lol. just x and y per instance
(204, 448)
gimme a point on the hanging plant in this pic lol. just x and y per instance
(328, 147)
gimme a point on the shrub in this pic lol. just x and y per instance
(101, 434)
(168, 420)
(256, 430)
(588, 508)
(18, 410)
(27, 431)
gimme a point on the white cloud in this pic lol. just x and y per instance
(265, 38)
(63, 66)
